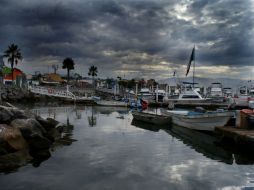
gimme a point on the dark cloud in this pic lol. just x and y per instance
(122, 36)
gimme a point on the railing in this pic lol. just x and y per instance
(52, 92)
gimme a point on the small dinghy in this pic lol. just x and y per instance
(151, 118)
(204, 121)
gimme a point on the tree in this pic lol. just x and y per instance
(93, 72)
(68, 64)
(14, 56)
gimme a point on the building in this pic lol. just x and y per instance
(19, 78)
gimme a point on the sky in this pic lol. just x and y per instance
(132, 38)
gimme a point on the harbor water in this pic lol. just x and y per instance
(104, 149)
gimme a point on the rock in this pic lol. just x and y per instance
(60, 127)
(5, 115)
(13, 161)
(13, 137)
(54, 134)
(28, 126)
(53, 122)
(38, 142)
(47, 124)
(18, 114)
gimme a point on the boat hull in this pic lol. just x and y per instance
(202, 122)
(112, 103)
(151, 118)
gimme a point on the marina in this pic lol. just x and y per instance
(129, 95)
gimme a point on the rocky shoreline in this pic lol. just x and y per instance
(26, 137)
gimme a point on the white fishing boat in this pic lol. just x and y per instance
(151, 118)
(199, 121)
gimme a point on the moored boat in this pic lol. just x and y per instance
(112, 103)
(151, 118)
(199, 121)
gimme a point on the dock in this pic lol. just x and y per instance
(241, 137)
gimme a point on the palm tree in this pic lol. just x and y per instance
(68, 64)
(93, 72)
(14, 56)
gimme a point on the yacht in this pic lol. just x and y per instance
(146, 94)
(243, 96)
(227, 92)
(189, 94)
(215, 92)
(161, 95)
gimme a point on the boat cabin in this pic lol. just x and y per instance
(188, 93)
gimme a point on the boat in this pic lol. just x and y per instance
(188, 93)
(151, 118)
(112, 103)
(160, 94)
(243, 96)
(203, 121)
(145, 94)
(215, 92)
(227, 92)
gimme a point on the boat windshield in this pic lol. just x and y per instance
(216, 85)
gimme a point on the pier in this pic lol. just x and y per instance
(241, 137)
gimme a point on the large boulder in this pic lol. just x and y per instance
(5, 115)
(18, 114)
(12, 136)
(28, 127)
(48, 123)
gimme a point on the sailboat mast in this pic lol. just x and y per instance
(194, 68)
(193, 74)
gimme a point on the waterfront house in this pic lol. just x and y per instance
(19, 78)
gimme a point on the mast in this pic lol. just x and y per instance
(193, 68)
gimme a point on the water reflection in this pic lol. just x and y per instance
(204, 143)
(120, 153)
(92, 118)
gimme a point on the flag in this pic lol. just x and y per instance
(192, 58)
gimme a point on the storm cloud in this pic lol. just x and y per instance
(132, 38)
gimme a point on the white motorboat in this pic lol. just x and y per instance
(243, 96)
(190, 94)
(146, 94)
(215, 92)
(199, 121)
(227, 92)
